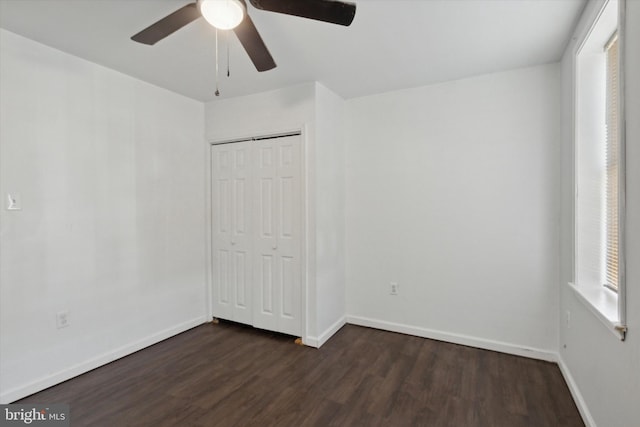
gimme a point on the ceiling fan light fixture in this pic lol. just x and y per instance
(222, 14)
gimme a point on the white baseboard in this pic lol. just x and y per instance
(317, 342)
(575, 393)
(80, 368)
(485, 344)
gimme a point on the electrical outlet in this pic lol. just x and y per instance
(393, 288)
(568, 319)
(62, 319)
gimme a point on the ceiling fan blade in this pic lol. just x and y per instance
(254, 45)
(167, 25)
(332, 11)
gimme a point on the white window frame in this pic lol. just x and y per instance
(608, 306)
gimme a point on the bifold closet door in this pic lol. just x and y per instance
(232, 238)
(277, 235)
(256, 207)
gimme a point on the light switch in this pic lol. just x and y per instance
(14, 202)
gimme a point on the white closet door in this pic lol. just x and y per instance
(277, 235)
(232, 235)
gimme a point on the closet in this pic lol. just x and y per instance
(257, 208)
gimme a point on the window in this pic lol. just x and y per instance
(599, 170)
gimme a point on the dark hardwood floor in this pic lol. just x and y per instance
(232, 375)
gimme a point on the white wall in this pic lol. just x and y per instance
(452, 191)
(330, 212)
(263, 113)
(603, 372)
(111, 174)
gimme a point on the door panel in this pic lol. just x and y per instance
(241, 280)
(265, 314)
(287, 284)
(223, 276)
(231, 239)
(279, 217)
(221, 218)
(240, 188)
(266, 285)
(266, 208)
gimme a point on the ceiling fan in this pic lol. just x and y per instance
(232, 15)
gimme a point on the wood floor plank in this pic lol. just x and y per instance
(232, 375)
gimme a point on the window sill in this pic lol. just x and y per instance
(603, 303)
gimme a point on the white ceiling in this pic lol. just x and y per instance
(392, 44)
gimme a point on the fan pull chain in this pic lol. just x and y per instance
(226, 38)
(217, 81)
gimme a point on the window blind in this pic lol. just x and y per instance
(612, 157)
